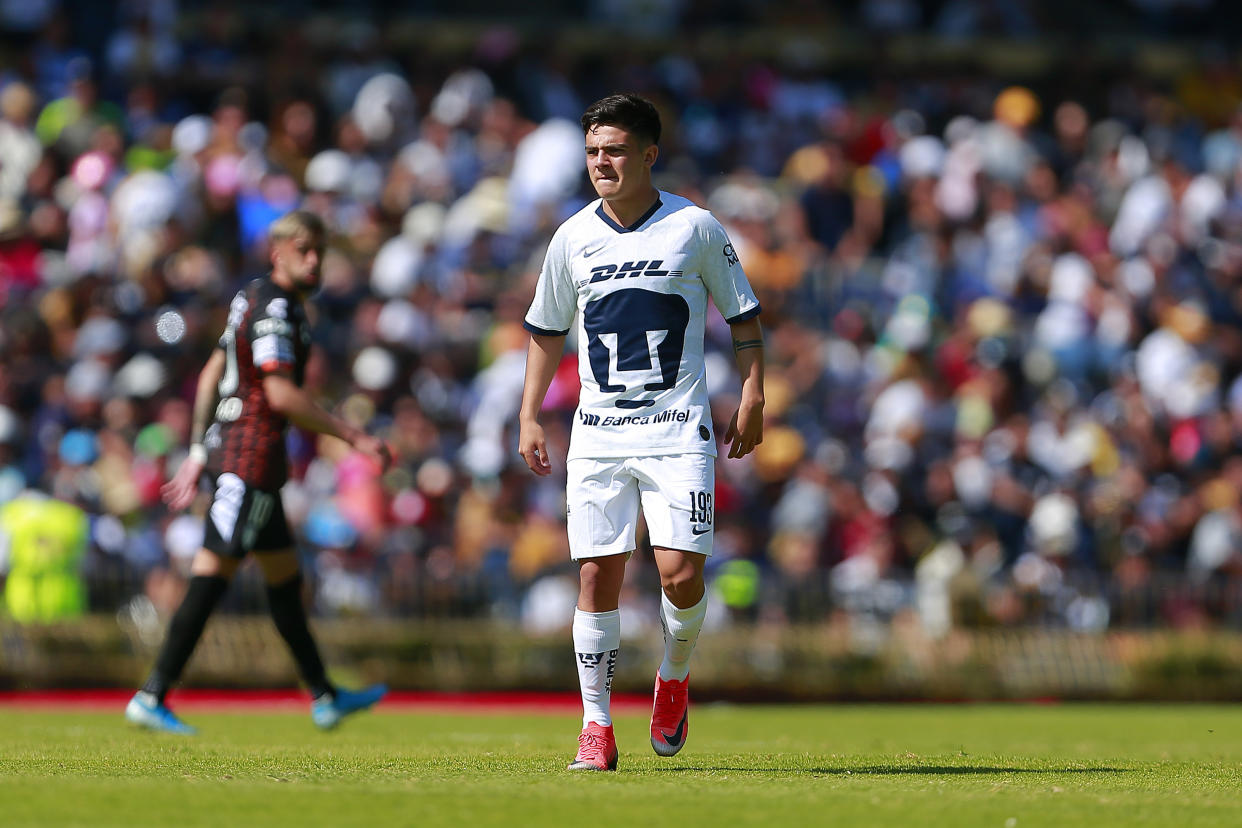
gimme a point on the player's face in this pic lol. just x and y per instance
(299, 258)
(618, 162)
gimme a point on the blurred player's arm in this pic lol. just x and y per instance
(207, 396)
(542, 358)
(180, 490)
(746, 428)
(294, 404)
(4, 552)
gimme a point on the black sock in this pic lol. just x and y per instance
(201, 597)
(285, 603)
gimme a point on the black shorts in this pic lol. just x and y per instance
(243, 519)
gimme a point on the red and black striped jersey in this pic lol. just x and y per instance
(267, 333)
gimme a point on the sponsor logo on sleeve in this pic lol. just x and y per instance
(278, 307)
(271, 350)
(272, 326)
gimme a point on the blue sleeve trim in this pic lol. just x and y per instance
(744, 315)
(543, 331)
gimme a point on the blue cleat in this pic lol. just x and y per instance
(327, 713)
(145, 710)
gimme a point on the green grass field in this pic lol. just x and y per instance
(961, 765)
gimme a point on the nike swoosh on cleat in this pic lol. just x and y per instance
(678, 734)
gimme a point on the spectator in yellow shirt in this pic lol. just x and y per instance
(42, 543)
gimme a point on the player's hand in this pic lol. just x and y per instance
(745, 429)
(533, 447)
(376, 449)
(180, 491)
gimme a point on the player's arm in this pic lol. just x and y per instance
(542, 357)
(290, 401)
(180, 490)
(746, 428)
(207, 396)
(4, 552)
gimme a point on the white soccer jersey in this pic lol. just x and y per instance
(640, 297)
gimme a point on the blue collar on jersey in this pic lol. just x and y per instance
(599, 211)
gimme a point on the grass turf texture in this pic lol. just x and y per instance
(963, 765)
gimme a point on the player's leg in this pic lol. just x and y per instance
(212, 568)
(597, 641)
(283, 578)
(603, 512)
(597, 634)
(683, 606)
(677, 501)
(282, 575)
(209, 580)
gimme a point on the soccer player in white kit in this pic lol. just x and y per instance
(635, 270)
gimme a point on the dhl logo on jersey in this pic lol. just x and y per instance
(603, 273)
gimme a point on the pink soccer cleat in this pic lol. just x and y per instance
(597, 749)
(670, 715)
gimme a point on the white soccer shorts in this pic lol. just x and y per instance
(676, 492)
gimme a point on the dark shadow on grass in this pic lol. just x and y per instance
(889, 770)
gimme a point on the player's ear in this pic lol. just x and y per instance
(650, 155)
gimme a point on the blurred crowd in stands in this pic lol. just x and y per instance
(1003, 315)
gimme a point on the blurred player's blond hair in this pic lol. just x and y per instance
(297, 223)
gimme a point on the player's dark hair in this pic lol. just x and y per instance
(630, 112)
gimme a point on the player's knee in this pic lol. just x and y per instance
(591, 577)
(286, 595)
(211, 565)
(599, 583)
(279, 567)
(683, 584)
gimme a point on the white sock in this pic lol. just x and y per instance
(681, 633)
(597, 637)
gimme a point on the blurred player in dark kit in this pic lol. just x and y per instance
(250, 389)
